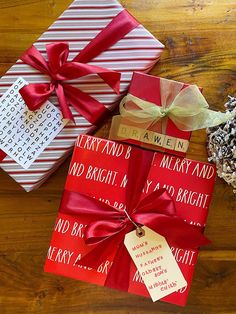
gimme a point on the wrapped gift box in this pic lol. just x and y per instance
(98, 169)
(78, 26)
(163, 135)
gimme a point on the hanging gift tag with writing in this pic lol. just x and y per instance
(155, 263)
(24, 134)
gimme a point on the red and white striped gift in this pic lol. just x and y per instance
(78, 25)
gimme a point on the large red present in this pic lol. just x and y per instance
(99, 171)
(85, 26)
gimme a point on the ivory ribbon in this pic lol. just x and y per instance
(188, 110)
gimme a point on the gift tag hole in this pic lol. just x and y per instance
(140, 232)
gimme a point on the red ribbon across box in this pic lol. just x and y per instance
(96, 41)
(106, 178)
(108, 226)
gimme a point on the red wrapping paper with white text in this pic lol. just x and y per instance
(98, 169)
(78, 26)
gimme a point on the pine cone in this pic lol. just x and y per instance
(222, 147)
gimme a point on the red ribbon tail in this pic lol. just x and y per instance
(176, 231)
(66, 112)
(112, 80)
(90, 108)
(99, 254)
(119, 274)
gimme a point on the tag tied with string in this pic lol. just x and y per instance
(154, 260)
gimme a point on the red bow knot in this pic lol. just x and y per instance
(60, 70)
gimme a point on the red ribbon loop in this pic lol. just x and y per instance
(57, 67)
(108, 226)
(60, 70)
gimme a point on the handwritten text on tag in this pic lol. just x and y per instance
(155, 263)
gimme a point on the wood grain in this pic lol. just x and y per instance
(199, 36)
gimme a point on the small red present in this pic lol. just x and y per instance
(97, 196)
(138, 124)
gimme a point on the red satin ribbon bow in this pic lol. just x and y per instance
(108, 226)
(60, 70)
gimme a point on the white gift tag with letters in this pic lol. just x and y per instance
(155, 263)
(24, 134)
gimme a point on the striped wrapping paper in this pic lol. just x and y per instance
(78, 25)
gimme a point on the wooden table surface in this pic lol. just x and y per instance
(199, 36)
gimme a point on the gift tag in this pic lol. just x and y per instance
(155, 262)
(24, 134)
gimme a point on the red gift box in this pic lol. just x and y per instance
(161, 92)
(79, 26)
(99, 170)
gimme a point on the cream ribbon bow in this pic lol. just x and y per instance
(189, 111)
